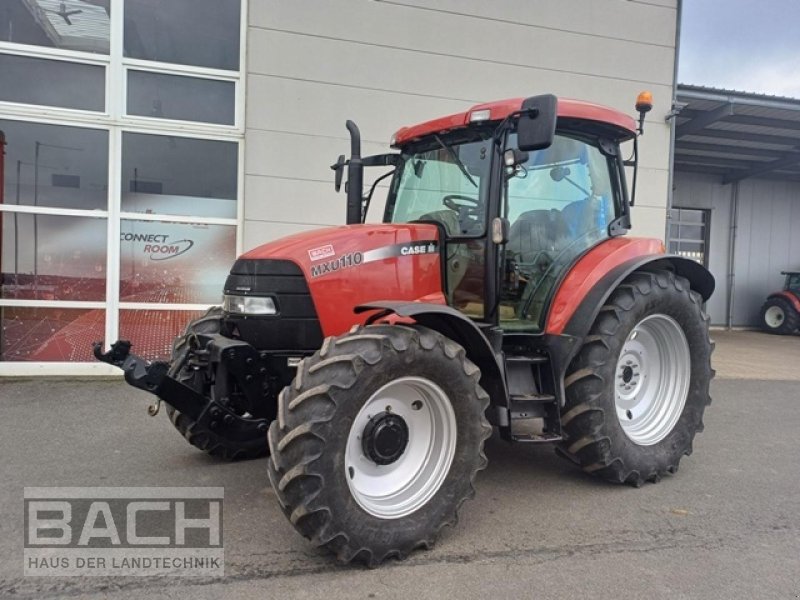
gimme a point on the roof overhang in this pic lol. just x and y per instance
(737, 135)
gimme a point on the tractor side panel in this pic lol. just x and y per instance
(589, 270)
(789, 297)
(357, 264)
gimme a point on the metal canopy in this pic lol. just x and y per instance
(737, 135)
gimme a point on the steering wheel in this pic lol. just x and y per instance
(449, 201)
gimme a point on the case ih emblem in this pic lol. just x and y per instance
(325, 251)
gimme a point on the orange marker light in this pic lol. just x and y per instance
(644, 102)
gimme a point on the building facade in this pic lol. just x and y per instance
(149, 143)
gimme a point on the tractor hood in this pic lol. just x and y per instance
(356, 264)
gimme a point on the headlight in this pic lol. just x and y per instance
(249, 305)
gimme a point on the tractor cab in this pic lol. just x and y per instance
(518, 190)
(530, 212)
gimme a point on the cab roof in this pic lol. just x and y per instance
(500, 109)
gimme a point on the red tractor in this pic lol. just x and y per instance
(781, 312)
(372, 361)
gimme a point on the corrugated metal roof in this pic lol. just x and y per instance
(737, 134)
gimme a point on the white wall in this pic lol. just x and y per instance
(768, 238)
(312, 64)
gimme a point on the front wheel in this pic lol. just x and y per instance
(378, 441)
(637, 389)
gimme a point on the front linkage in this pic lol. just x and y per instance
(211, 384)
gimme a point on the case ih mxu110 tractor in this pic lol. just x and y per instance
(372, 361)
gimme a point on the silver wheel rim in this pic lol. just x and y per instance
(774, 317)
(398, 489)
(651, 381)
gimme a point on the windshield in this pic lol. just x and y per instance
(447, 183)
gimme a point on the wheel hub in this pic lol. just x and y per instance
(385, 438)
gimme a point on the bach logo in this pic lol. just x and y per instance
(123, 531)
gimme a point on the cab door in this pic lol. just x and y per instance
(560, 202)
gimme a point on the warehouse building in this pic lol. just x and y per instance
(148, 143)
(736, 198)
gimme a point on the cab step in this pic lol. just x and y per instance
(533, 418)
(529, 406)
(541, 438)
(532, 359)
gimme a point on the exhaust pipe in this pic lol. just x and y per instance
(355, 176)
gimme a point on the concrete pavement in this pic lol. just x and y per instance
(756, 355)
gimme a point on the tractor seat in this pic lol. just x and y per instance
(534, 232)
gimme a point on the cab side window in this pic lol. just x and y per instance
(559, 203)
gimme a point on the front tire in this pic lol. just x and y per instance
(779, 317)
(637, 389)
(378, 441)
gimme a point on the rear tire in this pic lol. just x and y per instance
(634, 399)
(368, 501)
(778, 316)
(202, 438)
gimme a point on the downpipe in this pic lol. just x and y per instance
(734, 230)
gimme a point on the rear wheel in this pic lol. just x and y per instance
(779, 316)
(637, 389)
(200, 437)
(378, 441)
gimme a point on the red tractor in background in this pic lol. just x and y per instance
(781, 312)
(499, 292)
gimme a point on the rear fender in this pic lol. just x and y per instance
(789, 297)
(700, 279)
(454, 325)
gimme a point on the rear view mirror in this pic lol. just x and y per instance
(338, 168)
(537, 122)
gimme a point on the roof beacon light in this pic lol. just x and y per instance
(644, 104)
(477, 116)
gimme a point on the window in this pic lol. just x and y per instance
(51, 257)
(81, 25)
(447, 185)
(204, 33)
(174, 263)
(185, 98)
(120, 197)
(52, 83)
(174, 175)
(55, 166)
(560, 202)
(688, 233)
